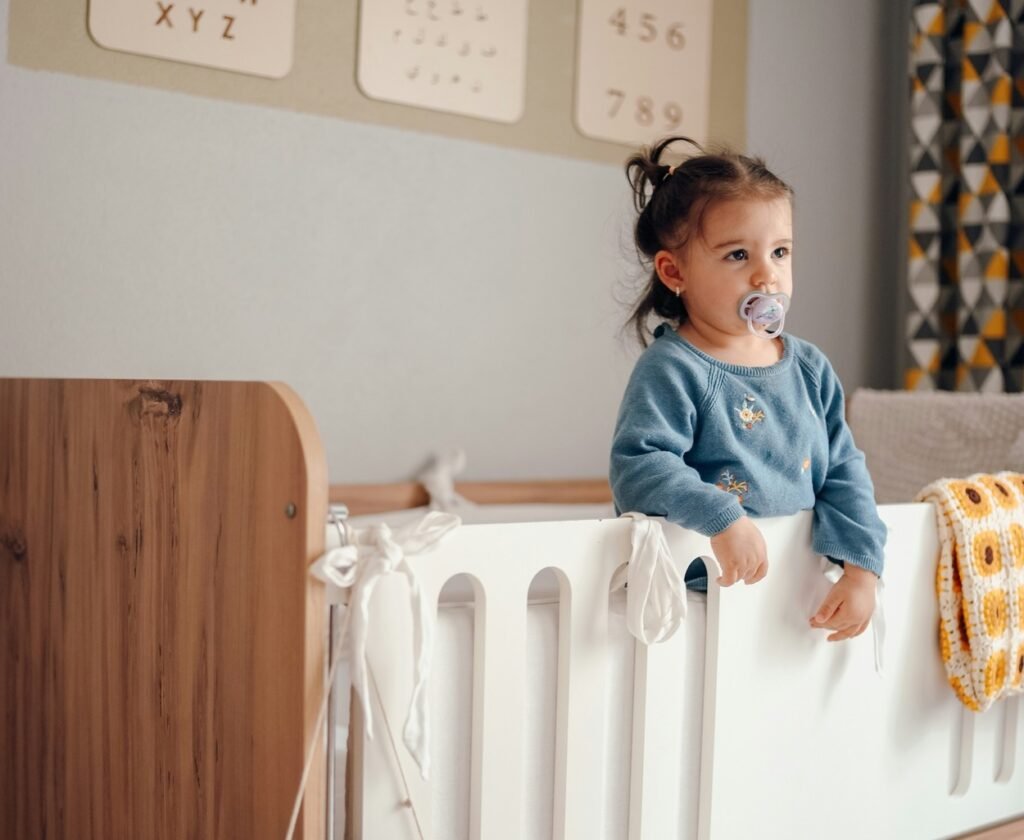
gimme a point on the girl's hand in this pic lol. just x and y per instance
(849, 605)
(741, 552)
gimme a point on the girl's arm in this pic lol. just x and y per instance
(648, 472)
(846, 522)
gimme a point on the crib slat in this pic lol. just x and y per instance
(659, 708)
(499, 673)
(582, 666)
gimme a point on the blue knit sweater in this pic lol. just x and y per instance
(703, 442)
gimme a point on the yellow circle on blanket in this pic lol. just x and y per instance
(995, 673)
(1017, 544)
(1018, 670)
(988, 558)
(1018, 479)
(994, 612)
(972, 499)
(1000, 491)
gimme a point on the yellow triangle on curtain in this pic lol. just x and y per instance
(911, 378)
(996, 326)
(971, 29)
(990, 185)
(938, 26)
(1001, 90)
(936, 194)
(983, 357)
(997, 267)
(915, 250)
(1018, 260)
(915, 210)
(1000, 151)
(963, 244)
(995, 14)
(969, 73)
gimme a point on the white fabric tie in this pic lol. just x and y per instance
(833, 572)
(439, 480)
(655, 591)
(372, 553)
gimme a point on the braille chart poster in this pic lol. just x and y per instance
(459, 56)
(248, 36)
(643, 69)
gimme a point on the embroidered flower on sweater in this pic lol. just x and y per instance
(729, 483)
(748, 415)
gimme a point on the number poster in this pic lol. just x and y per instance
(644, 69)
(248, 36)
(462, 56)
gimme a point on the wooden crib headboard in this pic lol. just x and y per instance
(161, 647)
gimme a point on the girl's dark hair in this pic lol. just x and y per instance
(671, 203)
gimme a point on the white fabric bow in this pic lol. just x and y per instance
(833, 572)
(372, 553)
(655, 592)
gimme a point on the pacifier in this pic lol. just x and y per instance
(765, 313)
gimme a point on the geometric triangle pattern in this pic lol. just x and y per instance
(965, 272)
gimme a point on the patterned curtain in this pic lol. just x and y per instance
(966, 260)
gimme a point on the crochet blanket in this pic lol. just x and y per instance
(980, 584)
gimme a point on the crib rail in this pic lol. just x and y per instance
(802, 732)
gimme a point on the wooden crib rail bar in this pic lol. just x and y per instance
(364, 499)
(161, 646)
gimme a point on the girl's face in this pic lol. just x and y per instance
(746, 246)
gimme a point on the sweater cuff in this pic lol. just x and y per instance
(723, 520)
(836, 553)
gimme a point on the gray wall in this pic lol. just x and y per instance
(418, 292)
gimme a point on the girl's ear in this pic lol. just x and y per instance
(669, 271)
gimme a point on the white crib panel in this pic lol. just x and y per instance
(775, 684)
(780, 704)
(503, 559)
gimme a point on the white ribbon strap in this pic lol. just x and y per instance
(439, 480)
(655, 592)
(372, 553)
(833, 572)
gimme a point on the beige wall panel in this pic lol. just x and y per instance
(53, 35)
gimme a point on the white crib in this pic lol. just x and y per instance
(745, 724)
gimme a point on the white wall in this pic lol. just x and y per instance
(418, 292)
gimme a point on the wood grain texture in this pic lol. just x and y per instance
(161, 644)
(364, 499)
(1004, 831)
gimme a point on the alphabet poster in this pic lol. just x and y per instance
(461, 56)
(643, 69)
(248, 36)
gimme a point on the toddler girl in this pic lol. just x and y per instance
(725, 416)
